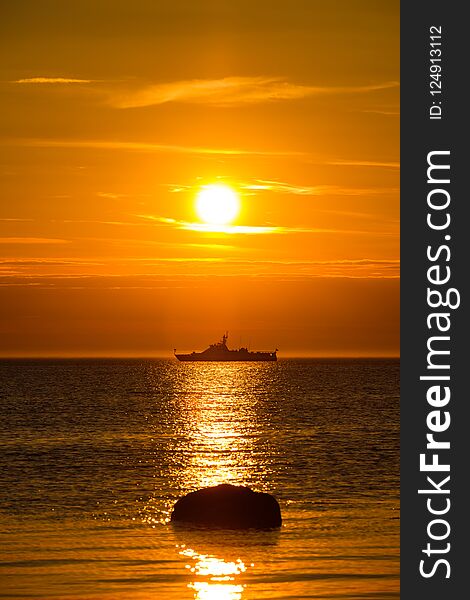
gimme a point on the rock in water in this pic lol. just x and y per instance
(228, 506)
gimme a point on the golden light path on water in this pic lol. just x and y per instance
(220, 576)
(218, 425)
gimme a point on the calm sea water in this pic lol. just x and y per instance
(93, 455)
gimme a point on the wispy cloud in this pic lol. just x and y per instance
(226, 91)
(252, 229)
(144, 147)
(31, 240)
(15, 220)
(153, 147)
(364, 163)
(53, 80)
(111, 195)
(233, 91)
(56, 261)
(178, 272)
(309, 190)
(387, 112)
(204, 227)
(283, 187)
(344, 268)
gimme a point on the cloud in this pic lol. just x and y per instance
(111, 195)
(365, 163)
(387, 112)
(283, 187)
(232, 91)
(15, 220)
(31, 240)
(53, 80)
(154, 147)
(204, 227)
(29, 262)
(355, 268)
(226, 91)
(251, 229)
(181, 272)
(309, 190)
(363, 268)
(143, 147)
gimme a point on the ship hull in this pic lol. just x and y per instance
(255, 357)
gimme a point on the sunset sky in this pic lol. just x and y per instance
(115, 114)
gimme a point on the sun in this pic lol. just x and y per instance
(217, 204)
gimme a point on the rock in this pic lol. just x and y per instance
(228, 506)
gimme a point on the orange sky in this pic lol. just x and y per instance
(114, 114)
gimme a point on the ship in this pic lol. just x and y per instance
(220, 352)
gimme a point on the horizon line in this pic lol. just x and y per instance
(167, 356)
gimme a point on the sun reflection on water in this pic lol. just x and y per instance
(207, 591)
(218, 411)
(213, 432)
(211, 429)
(222, 423)
(214, 578)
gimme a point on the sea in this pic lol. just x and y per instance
(94, 454)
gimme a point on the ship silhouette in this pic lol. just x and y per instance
(220, 352)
